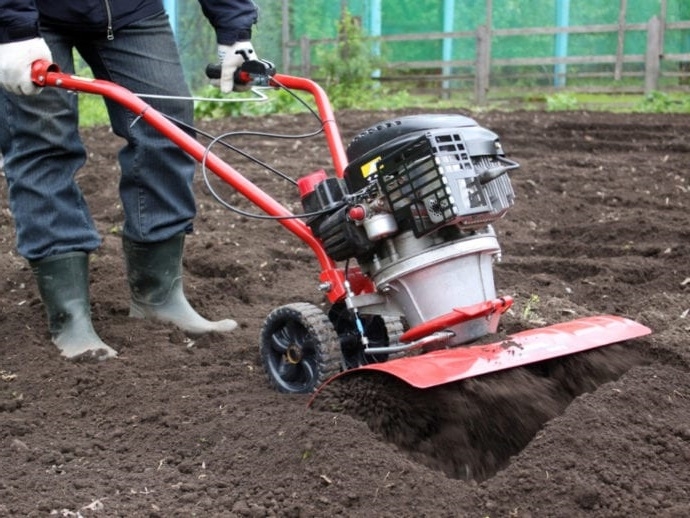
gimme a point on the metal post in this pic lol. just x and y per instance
(171, 9)
(562, 22)
(375, 24)
(447, 52)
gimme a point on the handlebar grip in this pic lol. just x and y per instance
(254, 72)
(213, 71)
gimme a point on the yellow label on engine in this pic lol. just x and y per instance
(370, 167)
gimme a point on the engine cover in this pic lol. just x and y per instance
(438, 170)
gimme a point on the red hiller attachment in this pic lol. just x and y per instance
(523, 348)
(414, 207)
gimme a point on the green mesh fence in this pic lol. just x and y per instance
(318, 19)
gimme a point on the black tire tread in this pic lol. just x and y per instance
(317, 324)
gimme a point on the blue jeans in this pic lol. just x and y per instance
(43, 151)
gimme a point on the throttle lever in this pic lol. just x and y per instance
(255, 72)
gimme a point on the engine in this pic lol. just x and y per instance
(415, 208)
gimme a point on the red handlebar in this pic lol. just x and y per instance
(44, 73)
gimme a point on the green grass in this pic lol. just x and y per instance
(93, 112)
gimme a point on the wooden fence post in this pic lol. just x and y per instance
(305, 50)
(620, 47)
(652, 67)
(483, 65)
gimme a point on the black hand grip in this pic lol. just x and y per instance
(213, 71)
(254, 72)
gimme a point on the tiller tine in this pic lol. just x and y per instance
(526, 347)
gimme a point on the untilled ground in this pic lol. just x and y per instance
(189, 427)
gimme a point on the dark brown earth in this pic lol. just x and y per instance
(189, 427)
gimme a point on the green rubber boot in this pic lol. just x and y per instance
(63, 282)
(154, 273)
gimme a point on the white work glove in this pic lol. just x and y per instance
(231, 58)
(15, 64)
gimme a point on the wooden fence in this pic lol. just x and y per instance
(491, 77)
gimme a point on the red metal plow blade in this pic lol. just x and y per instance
(530, 346)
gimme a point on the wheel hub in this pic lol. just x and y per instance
(294, 354)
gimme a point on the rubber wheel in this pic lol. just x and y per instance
(299, 348)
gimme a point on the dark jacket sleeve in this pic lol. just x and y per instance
(232, 19)
(18, 20)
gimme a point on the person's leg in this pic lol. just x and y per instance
(156, 182)
(156, 185)
(42, 152)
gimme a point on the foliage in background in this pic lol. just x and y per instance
(310, 18)
(561, 101)
(348, 70)
(92, 111)
(351, 61)
(277, 101)
(196, 41)
(661, 102)
(349, 81)
(92, 108)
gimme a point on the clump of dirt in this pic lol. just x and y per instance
(471, 428)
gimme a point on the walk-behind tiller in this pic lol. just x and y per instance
(409, 213)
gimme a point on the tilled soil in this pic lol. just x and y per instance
(180, 426)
